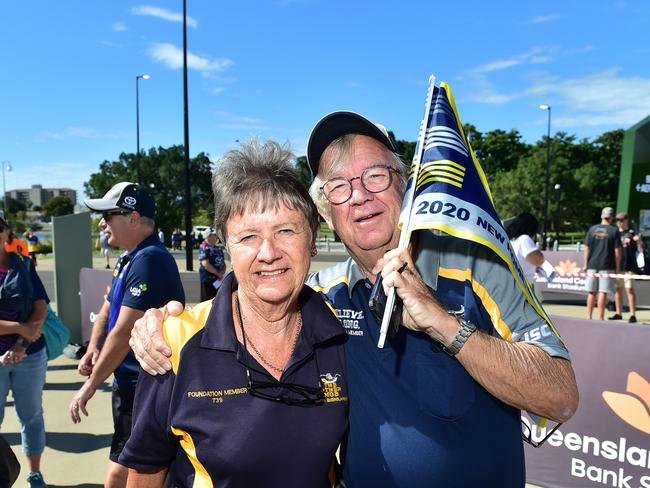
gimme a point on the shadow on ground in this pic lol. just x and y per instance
(74, 386)
(84, 485)
(62, 367)
(68, 442)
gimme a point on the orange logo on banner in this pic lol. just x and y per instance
(634, 406)
(567, 267)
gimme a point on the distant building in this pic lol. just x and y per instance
(37, 196)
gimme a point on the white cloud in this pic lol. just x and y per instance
(217, 90)
(542, 19)
(241, 122)
(164, 14)
(534, 55)
(110, 44)
(172, 57)
(119, 26)
(603, 98)
(79, 133)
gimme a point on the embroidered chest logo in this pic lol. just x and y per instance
(331, 390)
(350, 320)
(136, 291)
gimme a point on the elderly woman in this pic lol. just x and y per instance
(23, 360)
(257, 394)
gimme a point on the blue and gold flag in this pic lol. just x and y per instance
(451, 192)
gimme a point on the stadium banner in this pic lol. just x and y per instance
(607, 441)
(567, 265)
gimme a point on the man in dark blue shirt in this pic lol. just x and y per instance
(145, 276)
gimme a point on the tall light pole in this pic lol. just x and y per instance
(188, 196)
(6, 166)
(137, 122)
(558, 190)
(547, 175)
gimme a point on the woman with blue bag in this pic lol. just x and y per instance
(23, 358)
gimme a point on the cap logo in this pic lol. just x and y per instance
(131, 201)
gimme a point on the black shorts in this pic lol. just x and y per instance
(122, 403)
(208, 292)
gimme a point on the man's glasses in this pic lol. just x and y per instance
(374, 179)
(109, 213)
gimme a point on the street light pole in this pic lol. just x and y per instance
(558, 190)
(6, 165)
(547, 175)
(137, 123)
(188, 196)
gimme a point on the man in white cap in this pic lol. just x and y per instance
(145, 276)
(602, 254)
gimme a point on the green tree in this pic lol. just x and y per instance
(13, 206)
(58, 206)
(162, 173)
(304, 173)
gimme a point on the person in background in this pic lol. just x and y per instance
(631, 243)
(212, 266)
(23, 359)
(161, 236)
(521, 232)
(146, 275)
(177, 237)
(104, 247)
(32, 244)
(602, 254)
(15, 243)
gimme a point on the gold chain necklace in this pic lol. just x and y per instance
(259, 354)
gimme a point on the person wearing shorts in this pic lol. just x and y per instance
(602, 255)
(631, 243)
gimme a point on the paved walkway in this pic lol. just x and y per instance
(76, 455)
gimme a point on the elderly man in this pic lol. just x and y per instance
(440, 404)
(145, 276)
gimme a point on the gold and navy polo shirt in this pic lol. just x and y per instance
(417, 417)
(201, 419)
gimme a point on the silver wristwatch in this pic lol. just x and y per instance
(466, 329)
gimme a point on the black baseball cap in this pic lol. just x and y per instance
(338, 124)
(126, 195)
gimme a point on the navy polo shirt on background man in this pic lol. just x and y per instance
(417, 418)
(146, 281)
(228, 437)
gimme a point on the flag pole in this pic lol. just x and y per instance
(405, 235)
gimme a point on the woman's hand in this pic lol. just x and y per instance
(14, 355)
(30, 330)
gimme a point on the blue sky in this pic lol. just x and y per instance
(272, 68)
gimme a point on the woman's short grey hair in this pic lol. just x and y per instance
(337, 152)
(259, 174)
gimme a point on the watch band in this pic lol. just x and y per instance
(23, 342)
(466, 329)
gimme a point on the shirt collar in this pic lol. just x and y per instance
(319, 323)
(150, 240)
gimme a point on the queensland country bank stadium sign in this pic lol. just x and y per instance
(607, 442)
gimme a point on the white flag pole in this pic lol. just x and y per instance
(405, 234)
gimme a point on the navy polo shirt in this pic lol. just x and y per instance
(214, 255)
(201, 419)
(145, 277)
(417, 418)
